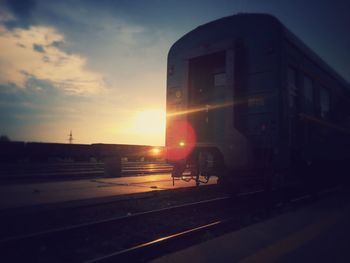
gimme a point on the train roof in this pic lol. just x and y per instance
(258, 19)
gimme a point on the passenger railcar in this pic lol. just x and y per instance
(249, 102)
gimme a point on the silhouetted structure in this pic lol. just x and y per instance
(70, 139)
(4, 138)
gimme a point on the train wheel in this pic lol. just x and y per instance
(195, 172)
(177, 171)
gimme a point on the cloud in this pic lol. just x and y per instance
(44, 61)
(113, 43)
(60, 49)
(38, 48)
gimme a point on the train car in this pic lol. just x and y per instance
(249, 102)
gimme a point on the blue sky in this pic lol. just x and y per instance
(98, 67)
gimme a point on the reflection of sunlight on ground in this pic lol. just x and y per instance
(152, 178)
(55, 192)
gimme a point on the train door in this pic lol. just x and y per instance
(207, 83)
(307, 108)
(294, 107)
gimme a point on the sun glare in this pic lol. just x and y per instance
(155, 151)
(150, 122)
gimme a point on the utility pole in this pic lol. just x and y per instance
(70, 137)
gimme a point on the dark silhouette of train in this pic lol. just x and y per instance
(16, 156)
(249, 102)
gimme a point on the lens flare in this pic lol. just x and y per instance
(181, 140)
(182, 144)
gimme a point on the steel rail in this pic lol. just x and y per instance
(137, 250)
(61, 230)
(115, 257)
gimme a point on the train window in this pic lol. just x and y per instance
(292, 77)
(220, 79)
(324, 102)
(308, 95)
(292, 85)
(204, 77)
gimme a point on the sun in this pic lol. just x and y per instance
(150, 122)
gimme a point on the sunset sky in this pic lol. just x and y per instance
(98, 67)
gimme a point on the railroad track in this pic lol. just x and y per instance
(138, 236)
(48, 171)
(112, 220)
(167, 244)
(67, 242)
(147, 251)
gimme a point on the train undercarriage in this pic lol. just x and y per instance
(202, 163)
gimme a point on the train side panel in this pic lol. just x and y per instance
(318, 103)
